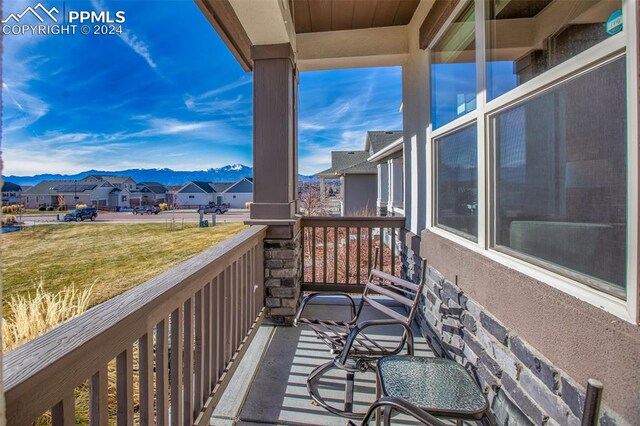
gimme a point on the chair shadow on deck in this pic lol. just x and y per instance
(278, 394)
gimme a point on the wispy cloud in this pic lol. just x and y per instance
(130, 38)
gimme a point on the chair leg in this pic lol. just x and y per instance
(348, 392)
(386, 416)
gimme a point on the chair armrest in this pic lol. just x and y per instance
(360, 327)
(311, 296)
(398, 404)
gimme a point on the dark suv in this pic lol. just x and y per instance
(81, 214)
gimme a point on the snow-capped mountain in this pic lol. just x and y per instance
(229, 173)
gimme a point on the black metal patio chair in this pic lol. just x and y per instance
(356, 351)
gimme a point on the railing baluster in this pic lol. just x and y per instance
(381, 248)
(198, 399)
(187, 378)
(324, 253)
(348, 258)
(206, 342)
(64, 412)
(145, 362)
(358, 255)
(335, 255)
(238, 311)
(212, 336)
(99, 398)
(176, 367)
(215, 318)
(124, 387)
(370, 250)
(313, 254)
(228, 301)
(392, 231)
(162, 374)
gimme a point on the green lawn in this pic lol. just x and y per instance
(113, 257)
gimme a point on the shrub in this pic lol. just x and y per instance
(163, 206)
(81, 206)
(61, 208)
(50, 208)
(42, 208)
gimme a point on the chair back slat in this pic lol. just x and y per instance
(391, 294)
(397, 289)
(386, 310)
(395, 280)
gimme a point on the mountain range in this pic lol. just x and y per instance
(229, 173)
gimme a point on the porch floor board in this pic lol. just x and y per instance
(277, 392)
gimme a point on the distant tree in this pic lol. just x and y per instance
(311, 203)
(60, 200)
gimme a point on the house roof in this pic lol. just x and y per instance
(155, 187)
(377, 140)
(10, 186)
(110, 178)
(221, 186)
(364, 167)
(341, 160)
(205, 186)
(173, 188)
(53, 187)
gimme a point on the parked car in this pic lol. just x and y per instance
(79, 215)
(146, 209)
(215, 208)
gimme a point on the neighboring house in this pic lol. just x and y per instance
(149, 193)
(238, 194)
(358, 181)
(120, 198)
(67, 193)
(386, 151)
(171, 193)
(11, 193)
(197, 193)
(122, 182)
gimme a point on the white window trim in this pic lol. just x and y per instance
(627, 41)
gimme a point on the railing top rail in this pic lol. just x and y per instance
(355, 221)
(101, 333)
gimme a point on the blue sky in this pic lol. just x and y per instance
(165, 93)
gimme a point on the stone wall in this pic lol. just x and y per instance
(283, 277)
(523, 387)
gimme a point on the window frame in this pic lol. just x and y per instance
(625, 44)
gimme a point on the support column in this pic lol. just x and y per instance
(275, 172)
(395, 184)
(323, 195)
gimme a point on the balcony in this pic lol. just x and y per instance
(166, 351)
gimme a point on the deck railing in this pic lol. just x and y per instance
(338, 252)
(171, 344)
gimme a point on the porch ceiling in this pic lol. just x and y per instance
(324, 34)
(311, 16)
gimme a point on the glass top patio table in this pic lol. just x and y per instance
(439, 386)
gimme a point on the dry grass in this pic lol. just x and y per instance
(32, 316)
(110, 257)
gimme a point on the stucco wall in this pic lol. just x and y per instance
(199, 199)
(240, 200)
(360, 193)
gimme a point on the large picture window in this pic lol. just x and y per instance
(453, 70)
(457, 182)
(561, 178)
(527, 38)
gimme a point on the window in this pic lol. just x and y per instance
(453, 70)
(527, 38)
(124, 198)
(560, 165)
(192, 196)
(538, 179)
(457, 182)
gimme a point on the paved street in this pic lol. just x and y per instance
(233, 215)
